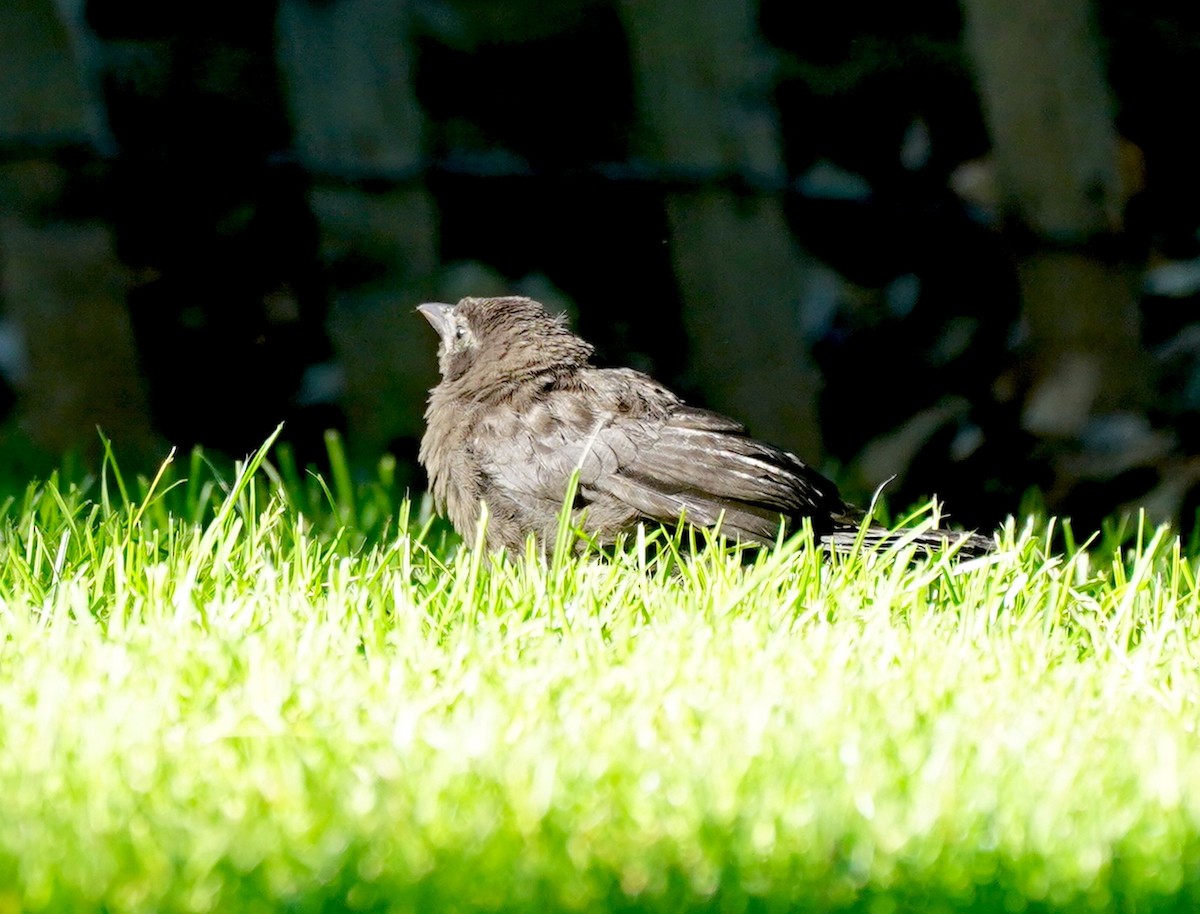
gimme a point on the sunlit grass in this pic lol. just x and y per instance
(261, 692)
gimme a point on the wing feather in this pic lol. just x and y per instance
(644, 455)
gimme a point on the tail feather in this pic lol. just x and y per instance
(967, 544)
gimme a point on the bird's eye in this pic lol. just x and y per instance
(459, 332)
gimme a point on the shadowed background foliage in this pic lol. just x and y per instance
(955, 242)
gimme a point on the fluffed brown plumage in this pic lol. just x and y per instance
(520, 408)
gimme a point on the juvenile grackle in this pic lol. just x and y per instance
(519, 409)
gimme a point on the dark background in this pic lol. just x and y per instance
(951, 242)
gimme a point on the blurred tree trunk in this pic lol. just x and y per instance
(702, 83)
(61, 283)
(1042, 84)
(347, 72)
(45, 100)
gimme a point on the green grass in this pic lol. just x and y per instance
(269, 694)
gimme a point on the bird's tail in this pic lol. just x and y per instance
(852, 528)
(966, 544)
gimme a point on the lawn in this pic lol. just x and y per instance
(255, 691)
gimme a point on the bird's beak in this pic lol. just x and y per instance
(438, 316)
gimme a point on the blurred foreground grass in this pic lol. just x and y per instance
(269, 693)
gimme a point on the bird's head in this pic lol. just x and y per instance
(501, 341)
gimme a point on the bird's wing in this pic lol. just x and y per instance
(643, 454)
(708, 467)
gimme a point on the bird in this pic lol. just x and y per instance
(520, 409)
